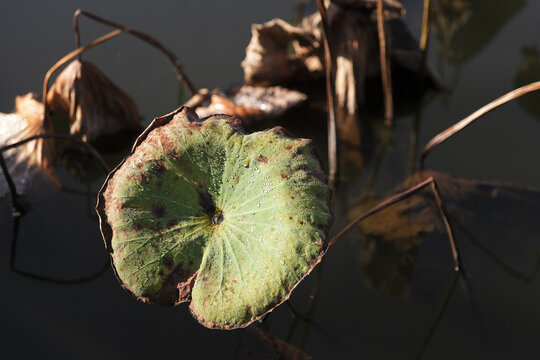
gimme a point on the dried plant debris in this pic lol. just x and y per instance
(282, 54)
(528, 72)
(96, 106)
(251, 103)
(493, 212)
(465, 27)
(202, 211)
(269, 60)
(27, 120)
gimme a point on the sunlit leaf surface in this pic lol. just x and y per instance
(202, 211)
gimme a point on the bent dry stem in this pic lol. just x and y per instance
(401, 196)
(142, 36)
(17, 209)
(454, 129)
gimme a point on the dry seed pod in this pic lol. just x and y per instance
(96, 106)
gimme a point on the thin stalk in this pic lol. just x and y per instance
(401, 196)
(332, 128)
(528, 278)
(424, 37)
(64, 60)
(442, 136)
(74, 281)
(386, 75)
(11, 186)
(181, 76)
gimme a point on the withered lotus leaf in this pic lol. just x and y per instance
(96, 106)
(251, 103)
(202, 211)
(27, 120)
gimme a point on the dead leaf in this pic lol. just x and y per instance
(27, 120)
(282, 54)
(96, 106)
(250, 103)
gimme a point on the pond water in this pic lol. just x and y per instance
(362, 301)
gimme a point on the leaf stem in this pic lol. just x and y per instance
(181, 76)
(457, 127)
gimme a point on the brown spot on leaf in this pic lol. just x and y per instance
(159, 210)
(158, 168)
(171, 223)
(262, 159)
(206, 201)
(248, 310)
(168, 262)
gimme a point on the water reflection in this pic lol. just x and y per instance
(478, 211)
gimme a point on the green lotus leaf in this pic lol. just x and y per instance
(202, 211)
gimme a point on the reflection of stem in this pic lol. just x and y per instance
(332, 129)
(424, 37)
(71, 138)
(496, 259)
(314, 297)
(142, 36)
(438, 316)
(401, 196)
(11, 186)
(413, 149)
(14, 239)
(374, 172)
(386, 75)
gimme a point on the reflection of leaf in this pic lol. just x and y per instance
(250, 103)
(259, 344)
(96, 106)
(490, 210)
(528, 72)
(465, 27)
(201, 211)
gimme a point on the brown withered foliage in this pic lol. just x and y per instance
(96, 106)
(250, 103)
(269, 60)
(282, 54)
(27, 120)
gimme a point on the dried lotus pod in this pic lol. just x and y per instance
(96, 106)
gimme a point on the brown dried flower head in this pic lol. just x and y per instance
(96, 106)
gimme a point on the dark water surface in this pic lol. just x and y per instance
(361, 310)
